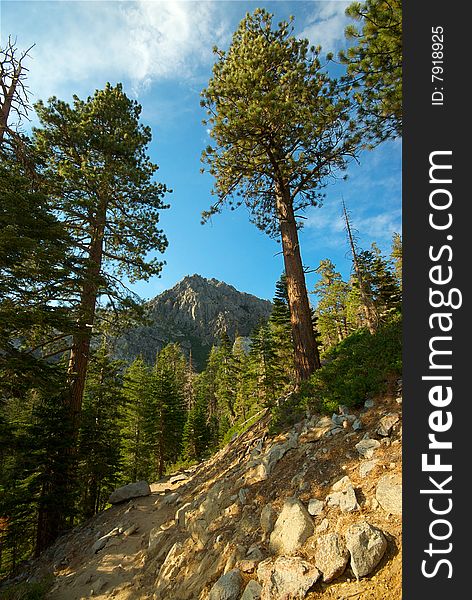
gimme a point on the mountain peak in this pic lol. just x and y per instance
(195, 313)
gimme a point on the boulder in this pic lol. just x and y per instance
(315, 506)
(276, 453)
(228, 586)
(389, 494)
(292, 528)
(286, 578)
(367, 447)
(172, 498)
(366, 467)
(343, 495)
(179, 478)
(386, 423)
(331, 556)
(357, 425)
(132, 490)
(156, 543)
(366, 545)
(252, 591)
(172, 565)
(267, 519)
(104, 539)
(242, 495)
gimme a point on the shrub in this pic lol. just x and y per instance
(357, 367)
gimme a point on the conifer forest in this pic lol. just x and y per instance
(80, 216)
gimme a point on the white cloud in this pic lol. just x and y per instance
(81, 45)
(325, 26)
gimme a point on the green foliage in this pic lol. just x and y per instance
(35, 269)
(358, 367)
(396, 256)
(286, 412)
(100, 437)
(135, 457)
(331, 309)
(238, 429)
(379, 281)
(275, 117)
(99, 176)
(374, 66)
(153, 415)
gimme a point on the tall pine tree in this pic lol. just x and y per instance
(280, 128)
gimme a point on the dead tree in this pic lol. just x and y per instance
(368, 307)
(14, 93)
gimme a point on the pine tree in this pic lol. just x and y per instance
(396, 258)
(99, 437)
(371, 316)
(245, 396)
(281, 331)
(226, 381)
(382, 285)
(331, 309)
(36, 267)
(165, 424)
(374, 66)
(100, 181)
(281, 129)
(136, 392)
(266, 372)
(197, 434)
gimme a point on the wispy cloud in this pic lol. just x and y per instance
(325, 25)
(82, 44)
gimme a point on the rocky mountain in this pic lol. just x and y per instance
(312, 513)
(195, 312)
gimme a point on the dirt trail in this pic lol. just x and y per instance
(114, 571)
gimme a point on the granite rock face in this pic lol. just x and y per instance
(194, 313)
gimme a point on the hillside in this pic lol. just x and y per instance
(195, 312)
(277, 511)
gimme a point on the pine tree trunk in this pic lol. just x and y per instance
(306, 356)
(51, 521)
(80, 353)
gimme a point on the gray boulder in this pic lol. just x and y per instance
(228, 586)
(267, 519)
(331, 556)
(315, 506)
(366, 545)
(366, 467)
(386, 423)
(132, 490)
(389, 494)
(367, 447)
(343, 495)
(292, 528)
(286, 578)
(252, 591)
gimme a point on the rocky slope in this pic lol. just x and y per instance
(195, 312)
(314, 513)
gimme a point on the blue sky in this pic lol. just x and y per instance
(161, 52)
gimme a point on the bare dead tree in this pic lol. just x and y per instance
(367, 304)
(14, 93)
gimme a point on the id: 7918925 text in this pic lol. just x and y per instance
(437, 65)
